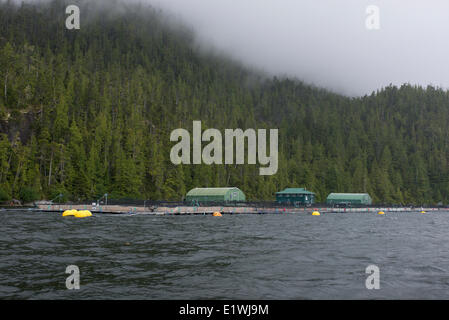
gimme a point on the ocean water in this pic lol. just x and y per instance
(278, 256)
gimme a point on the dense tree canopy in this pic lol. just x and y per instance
(89, 111)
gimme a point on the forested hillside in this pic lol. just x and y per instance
(89, 111)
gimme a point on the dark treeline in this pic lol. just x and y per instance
(90, 111)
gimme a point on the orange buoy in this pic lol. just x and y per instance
(217, 214)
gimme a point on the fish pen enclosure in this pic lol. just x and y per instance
(132, 206)
(256, 204)
(252, 203)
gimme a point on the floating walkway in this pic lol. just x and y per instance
(185, 210)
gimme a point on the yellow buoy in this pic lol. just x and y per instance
(381, 212)
(316, 213)
(83, 214)
(217, 214)
(69, 213)
(423, 212)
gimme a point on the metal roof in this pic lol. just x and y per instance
(295, 191)
(347, 196)
(211, 191)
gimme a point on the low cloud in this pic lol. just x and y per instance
(326, 42)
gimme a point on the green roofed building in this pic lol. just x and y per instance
(297, 196)
(215, 195)
(349, 198)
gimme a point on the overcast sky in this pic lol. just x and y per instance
(326, 42)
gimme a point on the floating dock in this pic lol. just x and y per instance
(204, 210)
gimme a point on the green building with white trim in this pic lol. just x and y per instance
(295, 196)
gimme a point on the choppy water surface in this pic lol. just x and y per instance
(284, 256)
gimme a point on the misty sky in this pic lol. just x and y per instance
(326, 42)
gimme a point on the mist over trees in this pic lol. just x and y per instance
(89, 111)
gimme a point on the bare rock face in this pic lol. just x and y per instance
(18, 125)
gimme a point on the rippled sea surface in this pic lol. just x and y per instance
(283, 256)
